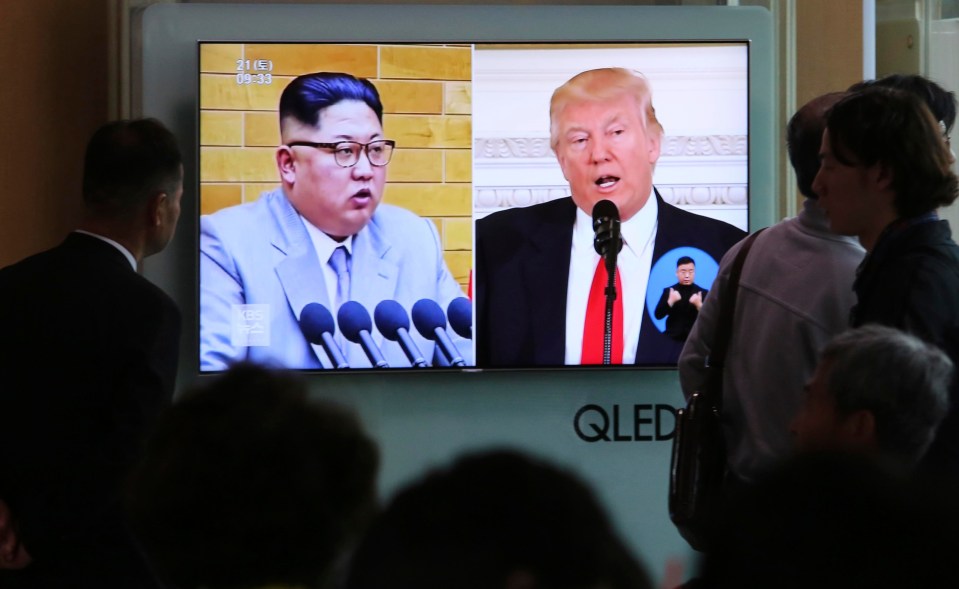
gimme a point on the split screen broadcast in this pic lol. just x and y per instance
(442, 232)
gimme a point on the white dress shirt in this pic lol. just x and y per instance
(126, 253)
(632, 264)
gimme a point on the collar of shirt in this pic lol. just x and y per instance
(635, 231)
(126, 253)
(324, 245)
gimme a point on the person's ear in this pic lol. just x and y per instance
(860, 427)
(882, 175)
(286, 164)
(654, 143)
(156, 208)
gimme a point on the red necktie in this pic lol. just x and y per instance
(596, 319)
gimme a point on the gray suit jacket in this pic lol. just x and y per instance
(260, 253)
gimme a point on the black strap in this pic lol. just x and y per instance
(717, 355)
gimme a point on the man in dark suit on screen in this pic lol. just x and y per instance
(681, 302)
(537, 273)
(88, 362)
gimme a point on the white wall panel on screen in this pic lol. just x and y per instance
(700, 93)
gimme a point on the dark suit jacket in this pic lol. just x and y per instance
(522, 268)
(910, 281)
(88, 361)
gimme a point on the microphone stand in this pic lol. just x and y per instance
(607, 242)
(610, 301)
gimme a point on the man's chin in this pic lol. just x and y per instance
(355, 223)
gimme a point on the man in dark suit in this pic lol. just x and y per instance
(680, 303)
(89, 361)
(535, 265)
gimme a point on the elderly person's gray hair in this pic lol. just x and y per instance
(901, 379)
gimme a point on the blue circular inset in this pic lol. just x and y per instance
(663, 275)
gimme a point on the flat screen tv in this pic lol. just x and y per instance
(448, 272)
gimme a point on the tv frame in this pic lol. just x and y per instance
(170, 33)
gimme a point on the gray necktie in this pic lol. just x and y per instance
(340, 262)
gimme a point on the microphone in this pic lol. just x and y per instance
(460, 312)
(393, 322)
(607, 240)
(316, 323)
(355, 323)
(430, 321)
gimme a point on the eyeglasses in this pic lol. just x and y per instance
(347, 153)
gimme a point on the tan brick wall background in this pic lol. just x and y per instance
(426, 101)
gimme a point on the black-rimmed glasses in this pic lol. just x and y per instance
(347, 153)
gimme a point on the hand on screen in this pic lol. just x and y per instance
(674, 297)
(696, 300)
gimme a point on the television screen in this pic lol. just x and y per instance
(463, 210)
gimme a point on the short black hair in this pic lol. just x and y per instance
(246, 482)
(128, 161)
(306, 96)
(804, 138)
(685, 260)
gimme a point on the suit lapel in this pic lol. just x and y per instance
(299, 270)
(373, 276)
(654, 347)
(546, 274)
(667, 236)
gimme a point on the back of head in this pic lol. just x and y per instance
(306, 96)
(894, 128)
(128, 161)
(600, 85)
(495, 520)
(902, 380)
(941, 102)
(246, 483)
(804, 137)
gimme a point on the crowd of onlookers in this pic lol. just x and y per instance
(840, 406)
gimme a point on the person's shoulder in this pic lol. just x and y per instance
(77, 254)
(24, 264)
(924, 247)
(18, 275)
(401, 227)
(402, 230)
(940, 240)
(939, 261)
(557, 211)
(389, 215)
(247, 212)
(694, 221)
